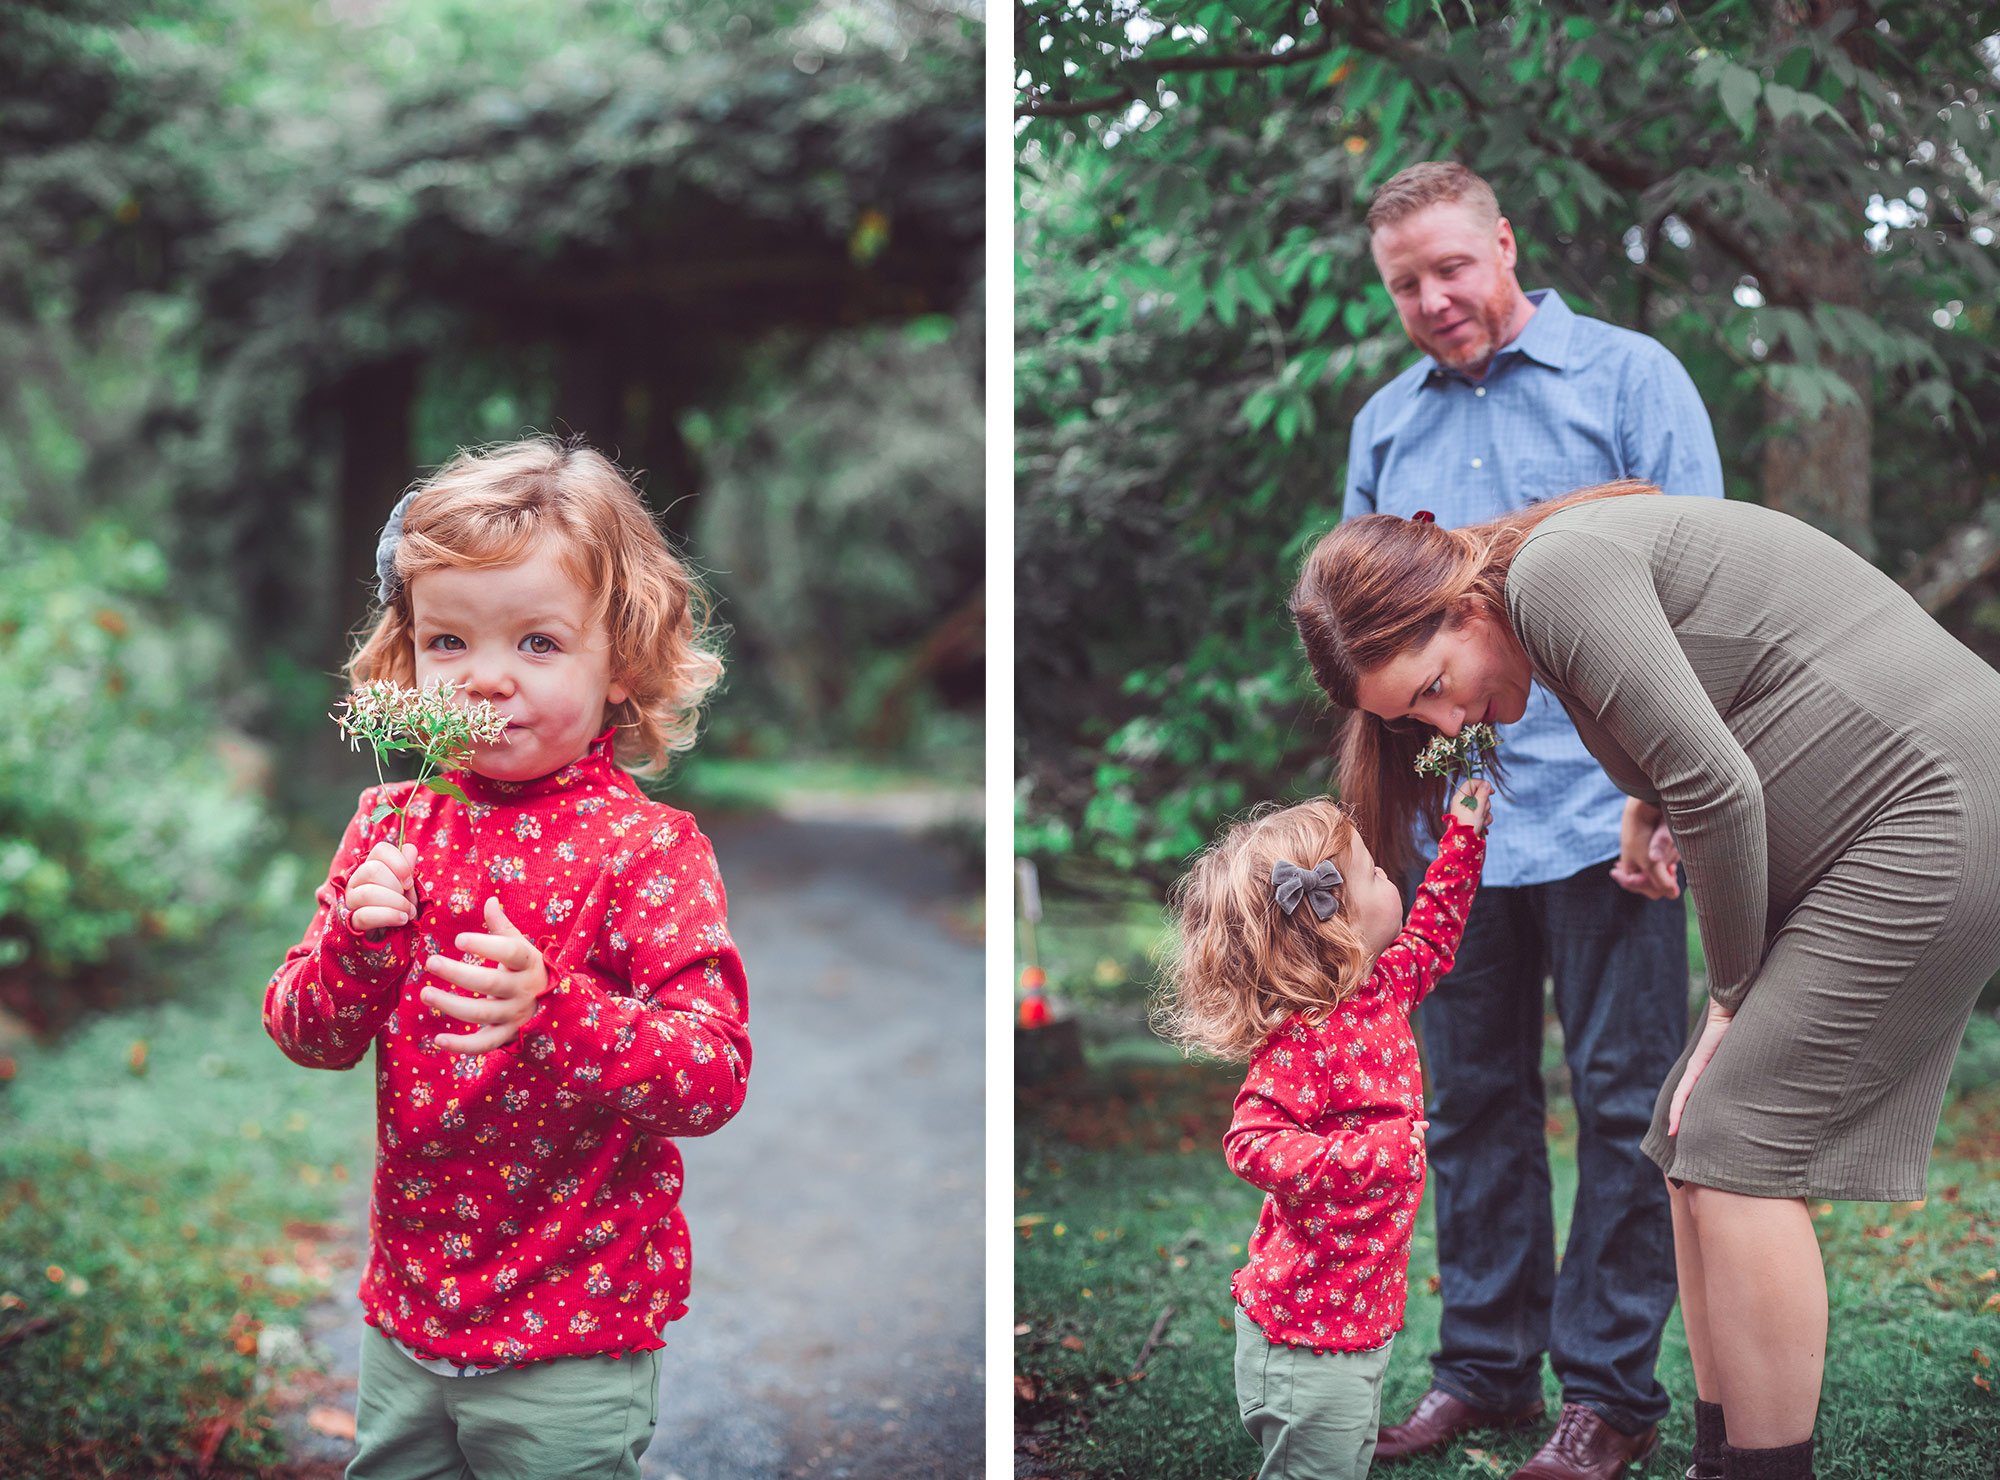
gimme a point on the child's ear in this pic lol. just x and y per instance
(615, 694)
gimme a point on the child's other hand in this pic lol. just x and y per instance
(382, 892)
(507, 991)
(1472, 805)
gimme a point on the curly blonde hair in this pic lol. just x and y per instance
(1240, 966)
(491, 507)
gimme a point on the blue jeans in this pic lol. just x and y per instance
(1620, 967)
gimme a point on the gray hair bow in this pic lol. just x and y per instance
(1317, 886)
(385, 550)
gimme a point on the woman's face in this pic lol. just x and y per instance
(1474, 673)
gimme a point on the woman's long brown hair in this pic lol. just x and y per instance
(1380, 586)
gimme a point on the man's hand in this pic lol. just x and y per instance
(1647, 853)
(1472, 804)
(382, 892)
(506, 991)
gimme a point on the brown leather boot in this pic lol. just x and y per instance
(1585, 1447)
(1440, 1418)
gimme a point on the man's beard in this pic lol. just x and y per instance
(1471, 356)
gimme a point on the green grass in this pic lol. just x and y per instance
(159, 1222)
(1124, 1208)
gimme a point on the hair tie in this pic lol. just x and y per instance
(1423, 516)
(385, 551)
(1317, 886)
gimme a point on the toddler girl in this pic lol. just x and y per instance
(1294, 955)
(543, 970)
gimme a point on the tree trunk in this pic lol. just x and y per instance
(1819, 469)
(374, 407)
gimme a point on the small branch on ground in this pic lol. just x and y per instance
(1152, 1340)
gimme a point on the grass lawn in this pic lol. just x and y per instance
(1124, 1212)
(167, 1181)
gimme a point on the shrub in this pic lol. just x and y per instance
(118, 822)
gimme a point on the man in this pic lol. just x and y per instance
(1517, 398)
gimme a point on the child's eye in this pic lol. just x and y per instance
(444, 642)
(539, 645)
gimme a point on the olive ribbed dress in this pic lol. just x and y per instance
(1829, 760)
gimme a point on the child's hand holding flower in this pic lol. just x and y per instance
(506, 992)
(382, 892)
(1472, 804)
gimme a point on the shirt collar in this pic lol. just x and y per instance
(1543, 339)
(595, 767)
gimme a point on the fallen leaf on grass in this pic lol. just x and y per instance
(1992, 1302)
(1981, 1358)
(1880, 1230)
(1987, 1276)
(1433, 1284)
(1023, 1329)
(1072, 1343)
(1026, 1389)
(1981, 1383)
(335, 1423)
(1487, 1461)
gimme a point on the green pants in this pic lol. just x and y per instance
(1314, 1414)
(576, 1418)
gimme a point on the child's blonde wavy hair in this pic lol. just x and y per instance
(493, 507)
(1240, 965)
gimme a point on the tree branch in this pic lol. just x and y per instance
(1154, 71)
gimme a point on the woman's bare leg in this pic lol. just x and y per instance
(1694, 1293)
(1763, 1310)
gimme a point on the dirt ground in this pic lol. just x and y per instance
(835, 1325)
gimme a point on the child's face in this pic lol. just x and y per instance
(1373, 900)
(520, 637)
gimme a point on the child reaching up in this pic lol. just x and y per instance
(1294, 956)
(543, 971)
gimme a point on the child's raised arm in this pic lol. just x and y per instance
(1269, 1143)
(327, 1001)
(675, 1056)
(1425, 949)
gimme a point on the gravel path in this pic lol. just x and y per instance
(835, 1325)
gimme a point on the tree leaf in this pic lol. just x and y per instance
(446, 788)
(382, 811)
(1738, 90)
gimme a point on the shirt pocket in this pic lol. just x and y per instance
(1532, 480)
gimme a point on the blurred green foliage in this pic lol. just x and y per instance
(1798, 202)
(270, 259)
(119, 816)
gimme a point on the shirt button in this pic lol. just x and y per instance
(1478, 462)
(1479, 390)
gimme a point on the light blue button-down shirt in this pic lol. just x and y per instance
(1570, 401)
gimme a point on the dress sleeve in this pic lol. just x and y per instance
(1424, 950)
(1589, 615)
(1271, 1144)
(674, 1054)
(328, 1000)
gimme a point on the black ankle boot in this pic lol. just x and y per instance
(1787, 1462)
(1709, 1435)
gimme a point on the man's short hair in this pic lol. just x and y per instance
(1437, 182)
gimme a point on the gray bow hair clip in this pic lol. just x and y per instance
(1317, 886)
(385, 550)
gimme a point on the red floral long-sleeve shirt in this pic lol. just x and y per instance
(1326, 1125)
(527, 1200)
